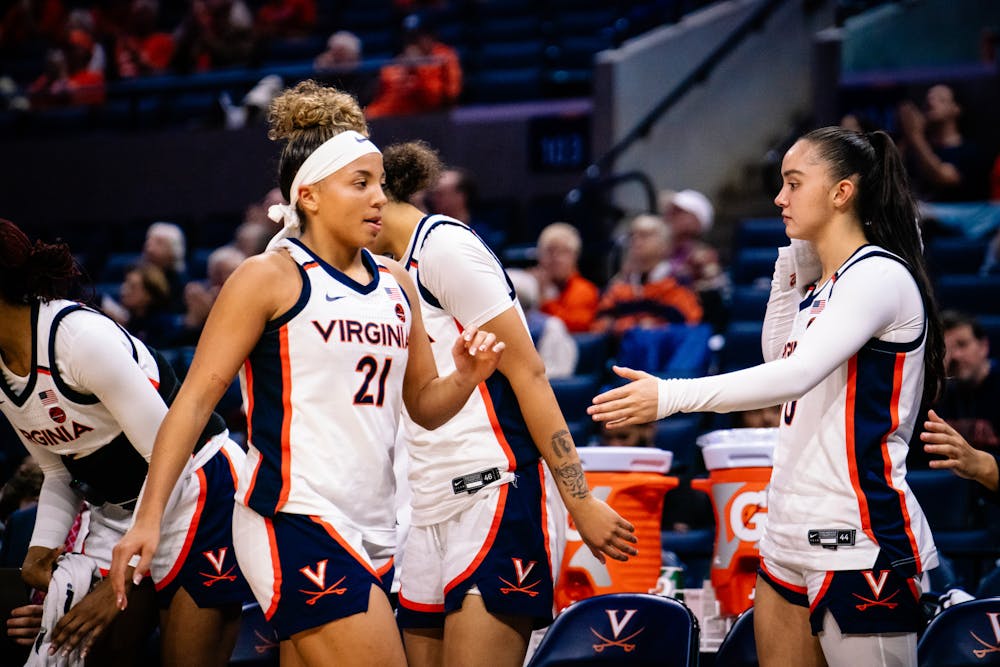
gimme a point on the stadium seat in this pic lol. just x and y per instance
(505, 85)
(760, 233)
(955, 256)
(257, 643)
(739, 648)
(594, 350)
(991, 323)
(965, 634)
(670, 351)
(693, 548)
(970, 294)
(621, 629)
(574, 395)
(748, 303)
(115, 266)
(678, 434)
(753, 264)
(742, 348)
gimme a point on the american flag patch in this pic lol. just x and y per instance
(818, 306)
(394, 292)
(48, 397)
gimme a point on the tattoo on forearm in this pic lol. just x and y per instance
(571, 476)
(562, 443)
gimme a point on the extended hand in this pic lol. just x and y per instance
(139, 540)
(82, 625)
(960, 457)
(24, 624)
(476, 354)
(634, 403)
(603, 530)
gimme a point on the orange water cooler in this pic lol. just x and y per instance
(739, 465)
(632, 480)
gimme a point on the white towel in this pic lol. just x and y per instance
(74, 576)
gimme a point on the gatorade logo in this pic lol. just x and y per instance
(746, 514)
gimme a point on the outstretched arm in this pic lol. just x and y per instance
(960, 457)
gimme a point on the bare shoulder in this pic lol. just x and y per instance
(270, 281)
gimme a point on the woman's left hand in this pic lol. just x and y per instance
(82, 625)
(634, 403)
(476, 354)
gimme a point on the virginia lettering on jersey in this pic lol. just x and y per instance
(50, 436)
(370, 333)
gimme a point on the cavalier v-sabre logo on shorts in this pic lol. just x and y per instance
(619, 619)
(876, 584)
(987, 647)
(318, 577)
(218, 560)
(521, 572)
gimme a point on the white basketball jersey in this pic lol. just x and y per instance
(324, 395)
(489, 432)
(838, 492)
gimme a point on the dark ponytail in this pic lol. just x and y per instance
(888, 213)
(409, 168)
(31, 271)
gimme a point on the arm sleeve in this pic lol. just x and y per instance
(782, 306)
(58, 504)
(856, 314)
(464, 276)
(98, 361)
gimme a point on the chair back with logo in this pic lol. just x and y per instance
(257, 644)
(965, 634)
(621, 629)
(739, 648)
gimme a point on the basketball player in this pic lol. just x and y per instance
(86, 399)
(845, 537)
(331, 350)
(478, 566)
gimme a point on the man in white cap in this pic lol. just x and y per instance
(694, 262)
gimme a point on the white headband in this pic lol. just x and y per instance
(333, 155)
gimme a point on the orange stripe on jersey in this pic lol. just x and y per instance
(232, 468)
(414, 264)
(545, 514)
(191, 531)
(827, 580)
(420, 606)
(383, 269)
(343, 543)
(275, 567)
(792, 587)
(310, 265)
(384, 570)
(248, 371)
(44, 371)
(897, 384)
(487, 544)
(286, 419)
(156, 384)
(852, 464)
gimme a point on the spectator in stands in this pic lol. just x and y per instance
(564, 292)
(943, 165)
(693, 261)
(972, 394)
(144, 296)
(68, 79)
(214, 33)
(286, 18)
(26, 24)
(456, 195)
(426, 76)
(760, 417)
(551, 338)
(644, 293)
(634, 435)
(140, 48)
(199, 296)
(252, 235)
(343, 52)
(165, 247)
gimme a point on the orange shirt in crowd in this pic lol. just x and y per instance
(575, 305)
(627, 304)
(432, 82)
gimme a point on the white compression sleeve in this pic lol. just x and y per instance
(58, 504)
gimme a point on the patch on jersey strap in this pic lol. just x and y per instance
(475, 481)
(831, 538)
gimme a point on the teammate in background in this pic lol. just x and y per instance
(86, 398)
(862, 346)
(330, 351)
(478, 565)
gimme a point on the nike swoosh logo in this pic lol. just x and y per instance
(361, 140)
(334, 298)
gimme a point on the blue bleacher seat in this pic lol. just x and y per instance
(257, 643)
(739, 648)
(760, 233)
(521, 53)
(678, 434)
(621, 629)
(752, 264)
(991, 324)
(955, 256)
(742, 348)
(671, 351)
(574, 395)
(964, 634)
(748, 303)
(115, 265)
(974, 295)
(593, 352)
(197, 263)
(505, 85)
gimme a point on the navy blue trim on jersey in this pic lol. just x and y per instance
(366, 259)
(64, 389)
(20, 399)
(297, 307)
(872, 420)
(789, 595)
(266, 420)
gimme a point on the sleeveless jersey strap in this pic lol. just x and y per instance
(71, 394)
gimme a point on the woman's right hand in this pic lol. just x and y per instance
(38, 565)
(140, 540)
(24, 624)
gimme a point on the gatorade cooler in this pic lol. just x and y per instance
(631, 480)
(739, 465)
